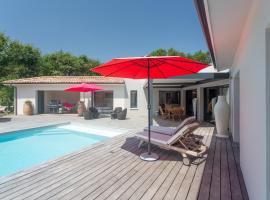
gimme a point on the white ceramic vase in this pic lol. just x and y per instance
(222, 114)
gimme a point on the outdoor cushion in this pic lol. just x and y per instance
(170, 130)
(155, 137)
(161, 129)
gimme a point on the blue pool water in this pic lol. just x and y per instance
(22, 149)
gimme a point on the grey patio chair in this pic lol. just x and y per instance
(122, 115)
(183, 142)
(115, 112)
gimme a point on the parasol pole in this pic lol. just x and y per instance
(149, 156)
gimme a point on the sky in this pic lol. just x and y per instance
(103, 29)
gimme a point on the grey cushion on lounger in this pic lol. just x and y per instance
(155, 137)
(167, 139)
(169, 130)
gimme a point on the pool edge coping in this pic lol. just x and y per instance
(35, 127)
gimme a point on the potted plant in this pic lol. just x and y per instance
(81, 108)
(28, 108)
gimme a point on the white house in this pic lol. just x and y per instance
(41, 90)
(117, 92)
(238, 37)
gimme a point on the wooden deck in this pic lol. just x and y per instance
(113, 170)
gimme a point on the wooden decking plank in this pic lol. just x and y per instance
(80, 188)
(25, 174)
(56, 187)
(172, 192)
(168, 182)
(236, 153)
(207, 173)
(22, 188)
(188, 180)
(50, 175)
(144, 187)
(113, 171)
(127, 171)
(23, 178)
(225, 190)
(116, 190)
(183, 190)
(142, 180)
(158, 182)
(194, 188)
(215, 184)
(184, 178)
(89, 195)
(234, 181)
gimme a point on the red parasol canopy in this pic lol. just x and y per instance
(154, 67)
(83, 87)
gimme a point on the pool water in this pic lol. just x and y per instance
(22, 149)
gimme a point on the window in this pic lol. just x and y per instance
(133, 99)
(169, 97)
(103, 99)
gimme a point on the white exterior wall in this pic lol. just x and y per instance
(29, 92)
(138, 85)
(250, 61)
(24, 93)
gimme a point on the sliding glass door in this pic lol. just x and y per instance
(103, 99)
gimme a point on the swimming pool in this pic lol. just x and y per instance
(22, 149)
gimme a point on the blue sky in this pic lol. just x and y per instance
(103, 29)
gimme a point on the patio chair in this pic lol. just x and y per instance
(163, 114)
(88, 115)
(183, 142)
(94, 112)
(170, 130)
(177, 113)
(115, 112)
(122, 115)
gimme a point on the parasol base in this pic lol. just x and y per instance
(149, 157)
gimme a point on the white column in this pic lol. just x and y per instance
(183, 99)
(200, 108)
(15, 101)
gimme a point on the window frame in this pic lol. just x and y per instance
(131, 106)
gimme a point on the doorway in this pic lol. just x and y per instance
(210, 93)
(190, 95)
(40, 98)
(169, 97)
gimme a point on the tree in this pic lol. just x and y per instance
(65, 64)
(198, 55)
(17, 60)
(159, 52)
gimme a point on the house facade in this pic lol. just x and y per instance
(41, 91)
(238, 37)
(125, 93)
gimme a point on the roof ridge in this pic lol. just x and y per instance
(65, 80)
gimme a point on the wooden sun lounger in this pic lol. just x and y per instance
(184, 142)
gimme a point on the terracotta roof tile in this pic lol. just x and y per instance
(66, 80)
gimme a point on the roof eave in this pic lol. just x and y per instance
(200, 7)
